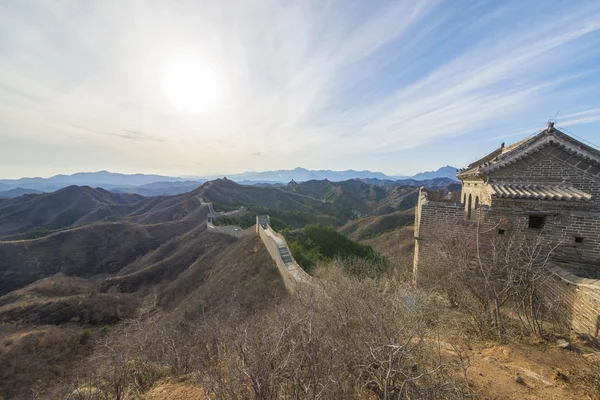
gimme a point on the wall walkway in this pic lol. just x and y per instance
(292, 273)
(234, 231)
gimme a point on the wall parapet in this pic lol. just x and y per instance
(579, 297)
(291, 272)
(230, 230)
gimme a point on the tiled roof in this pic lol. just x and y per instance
(506, 156)
(538, 192)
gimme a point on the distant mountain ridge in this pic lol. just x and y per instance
(157, 185)
(106, 180)
(16, 192)
(301, 174)
(444, 172)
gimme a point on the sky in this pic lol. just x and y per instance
(192, 88)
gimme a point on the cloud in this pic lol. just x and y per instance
(305, 82)
(137, 135)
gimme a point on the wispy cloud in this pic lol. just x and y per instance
(307, 83)
(582, 117)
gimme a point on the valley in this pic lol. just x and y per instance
(83, 267)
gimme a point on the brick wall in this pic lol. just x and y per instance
(579, 300)
(292, 274)
(564, 221)
(273, 249)
(552, 165)
(579, 297)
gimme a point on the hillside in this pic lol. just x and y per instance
(71, 206)
(62, 291)
(150, 303)
(167, 188)
(16, 192)
(295, 209)
(366, 227)
(358, 196)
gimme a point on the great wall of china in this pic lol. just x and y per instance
(292, 274)
(290, 270)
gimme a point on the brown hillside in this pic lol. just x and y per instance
(70, 206)
(202, 270)
(353, 194)
(32, 357)
(77, 206)
(249, 283)
(365, 227)
(59, 285)
(103, 248)
(95, 309)
(398, 199)
(229, 193)
(358, 196)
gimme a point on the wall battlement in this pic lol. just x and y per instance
(292, 273)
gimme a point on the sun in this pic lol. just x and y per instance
(191, 86)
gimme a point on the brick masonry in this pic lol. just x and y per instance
(575, 262)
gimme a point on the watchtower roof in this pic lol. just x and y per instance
(507, 155)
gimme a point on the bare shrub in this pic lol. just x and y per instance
(490, 276)
(348, 338)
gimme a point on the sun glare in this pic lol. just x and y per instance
(191, 86)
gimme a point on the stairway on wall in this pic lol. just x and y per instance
(285, 255)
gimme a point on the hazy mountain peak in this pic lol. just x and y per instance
(444, 172)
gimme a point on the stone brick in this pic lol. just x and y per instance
(564, 220)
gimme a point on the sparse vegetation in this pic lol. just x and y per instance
(490, 276)
(350, 340)
(319, 243)
(280, 218)
(176, 305)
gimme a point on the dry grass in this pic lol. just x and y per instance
(31, 359)
(99, 309)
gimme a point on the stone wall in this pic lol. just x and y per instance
(234, 231)
(579, 296)
(563, 223)
(477, 192)
(273, 249)
(292, 274)
(579, 305)
(431, 217)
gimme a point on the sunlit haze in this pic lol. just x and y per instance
(191, 86)
(194, 88)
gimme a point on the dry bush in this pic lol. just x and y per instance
(348, 338)
(491, 277)
(98, 309)
(31, 359)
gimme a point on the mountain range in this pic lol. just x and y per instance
(301, 174)
(79, 260)
(156, 185)
(444, 172)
